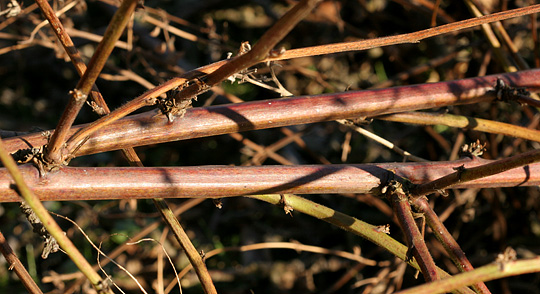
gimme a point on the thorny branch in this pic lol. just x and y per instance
(179, 100)
(91, 183)
(200, 80)
(147, 128)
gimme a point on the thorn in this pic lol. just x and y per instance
(360, 121)
(506, 93)
(409, 254)
(78, 95)
(443, 192)
(393, 186)
(286, 207)
(383, 229)
(276, 52)
(507, 256)
(460, 170)
(170, 107)
(218, 203)
(96, 108)
(170, 117)
(245, 47)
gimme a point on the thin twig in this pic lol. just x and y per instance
(16, 265)
(262, 152)
(78, 96)
(101, 253)
(500, 55)
(283, 245)
(415, 240)
(505, 37)
(11, 20)
(404, 38)
(38, 27)
(452, 247)
(463, 174)
(261, 50)
(141, 234)
(69, 47)
(73, 32)
(407, 155)
(194, 257)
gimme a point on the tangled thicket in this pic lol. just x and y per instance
(168, 38)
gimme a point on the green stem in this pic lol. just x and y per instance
(49, 223)
(348, 223)
(464, 122)
(194, 257)
(486, 273)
